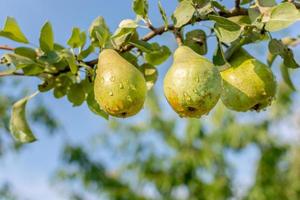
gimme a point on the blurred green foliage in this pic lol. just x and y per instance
(189, 161)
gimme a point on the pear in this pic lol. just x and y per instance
(120, 88)
(248, 84)
(192, 85)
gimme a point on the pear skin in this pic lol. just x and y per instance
(248, 84)
(120, 88)
(193, 84)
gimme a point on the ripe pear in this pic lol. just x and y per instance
(248, 84)
(120, 88)
(193, 84)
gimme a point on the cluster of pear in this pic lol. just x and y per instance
(192, 86)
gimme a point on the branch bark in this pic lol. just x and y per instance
(3, 74)
(7, 48)
(162, 29)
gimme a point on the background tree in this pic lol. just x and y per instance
(191, 161)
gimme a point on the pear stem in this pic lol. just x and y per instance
(178, 37)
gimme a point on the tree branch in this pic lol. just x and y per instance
(7, 48)
(237, 4)
(162, 29)
(3, 74)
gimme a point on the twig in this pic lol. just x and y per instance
(237, 4)
(7, 48)
(3, 74)
(162, 29)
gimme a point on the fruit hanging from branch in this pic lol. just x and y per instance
(120, 88)
(248, 84)
(192, 85)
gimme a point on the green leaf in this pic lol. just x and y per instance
(286, 76)
(158, 55)
(266, 3)
(51, 57)
(183, 13)
(271, 58)
(77, 38)
(26, 52)
(85, 53)
(76, 94)
(47, 37)
(70, 58)
(282, 16)
(276, 47)
(150, 73)
(196, 40)
(122, 36)
(12, 31)
(227, 31)
(62, 84)
(18, 61)
(219, 56)
(163, 14)
(140, 7)
(47, 85)
(33, 69)
(142, 45)
(99, 32)
(94, 106)
(18, 125)
(128, 23)
(130, 58)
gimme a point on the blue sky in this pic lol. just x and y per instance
(32, 168)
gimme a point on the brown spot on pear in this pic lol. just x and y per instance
(193, 84)
(120, 88)
(248, 84)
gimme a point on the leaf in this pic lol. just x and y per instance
(196, 40)
(99, 32)
(70, 58)
(26, 52)
(286, 76)
(33, 69)
(150, 73)
(183, 13)
(12, 31)
(18, 125)
(85, 53)
(282, 16)
(62, 84)
(271, 58)
(76, 94)
(227, 31)
(142, 45)
(94, 106)
(266, 3)
(140, 7)
(219, 56)
(77, 38)
(128, 23)
(18, 61)
(158, 55)
(276, 47)
(163, 14)
(51, 57)
(130, 58)
(122, 35)
(47, 37)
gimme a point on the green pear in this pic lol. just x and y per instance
(193, 84)
(248, 84)
(120, 88)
